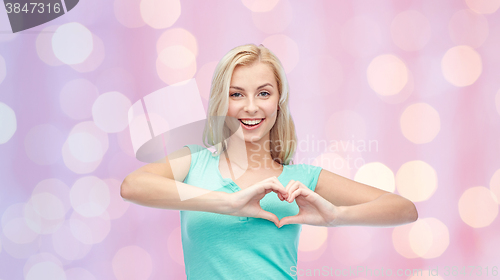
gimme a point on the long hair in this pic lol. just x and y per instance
(283, 140)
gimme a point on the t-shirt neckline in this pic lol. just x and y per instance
(217, 160)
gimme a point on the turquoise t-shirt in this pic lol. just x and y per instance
(218, 246)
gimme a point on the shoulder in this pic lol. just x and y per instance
(305, 173)
(199, 153)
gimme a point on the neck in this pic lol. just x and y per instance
(253, 155)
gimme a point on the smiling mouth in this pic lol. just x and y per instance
(252, 122)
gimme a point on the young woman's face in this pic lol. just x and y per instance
(253, 100)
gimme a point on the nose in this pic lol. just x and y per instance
(251, 106)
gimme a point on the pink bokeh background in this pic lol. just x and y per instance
(398, 94)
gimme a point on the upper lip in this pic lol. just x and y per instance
(252, 119)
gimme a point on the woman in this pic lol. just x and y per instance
(246, 201)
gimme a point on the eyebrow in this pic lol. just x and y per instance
(238, 88)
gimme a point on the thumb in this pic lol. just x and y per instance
(289, 220)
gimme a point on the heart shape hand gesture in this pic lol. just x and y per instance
(313, 209)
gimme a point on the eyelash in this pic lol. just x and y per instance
(232, 95)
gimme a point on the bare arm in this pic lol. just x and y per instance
(360, 204)
(160, 185)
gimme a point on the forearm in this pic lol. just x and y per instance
(153, 190)
(387, 210)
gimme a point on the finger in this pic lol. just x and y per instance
(291, 189)
(273, 186)
(294, 194)
(268, 216)
(297, 219)
(280, 196)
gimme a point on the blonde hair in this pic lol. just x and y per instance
(283, 141)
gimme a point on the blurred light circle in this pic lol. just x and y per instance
(355, 244)
(8, 123)
(95, 59)
(275, 20)
(78, 273)
(21, 251)
(125, 142)
(403, 95)
(478, 207)
(85, 147)
(376, 174)
(416, 180)
(3, 69)
(285, 48)
(43, 144)
(67, 246)
(45, 271)
(426, 238)
(483, 6)
(110, 111)
(91, 230)
(17, 231)
(410, 30)
(117, 206)
(172, 75)
(128, 13)
(76, 165)
(37, 222)
(39, 258)
(387, 74)
(89, 196)
(160, 13)
(401, 241)
(204, 79)
(260, 6)
(76, 98)
(175, 247)
(72, 43)
(440, 238)
(44, 46)
(361, 36)
(420, 123)
(495, 185)
(48, 206)
(176, 57)
(312, 237)
(468, 28)
(420, 237)
(177, 37)
(55, 187)
(333, 163)
(461, 66)
(14, 227)
(132, 263)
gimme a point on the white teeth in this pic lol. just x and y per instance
(251, 122)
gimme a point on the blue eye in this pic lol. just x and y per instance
(266, 92)
(235, 94)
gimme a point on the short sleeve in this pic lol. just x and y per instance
(311, 172)
(195, 153)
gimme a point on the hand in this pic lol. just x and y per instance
(246, 203)
(313, 208)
